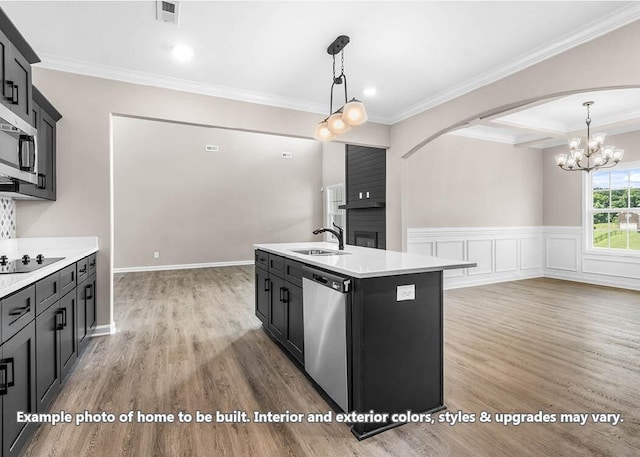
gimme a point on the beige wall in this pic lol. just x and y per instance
(464, 182)
(193, 206)
(563, 190)
(333, 162)
(84, 159)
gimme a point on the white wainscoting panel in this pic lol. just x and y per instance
(480, 252)
(451, 250)
(506, 255)
(502, 253)
(566, 258)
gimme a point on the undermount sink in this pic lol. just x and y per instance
(318, 252)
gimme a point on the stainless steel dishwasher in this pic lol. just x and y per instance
(325, 297)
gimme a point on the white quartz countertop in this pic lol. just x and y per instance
(71, 248)
(360, 262)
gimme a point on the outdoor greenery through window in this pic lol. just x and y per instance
(616, 209)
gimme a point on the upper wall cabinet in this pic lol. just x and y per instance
(16, 58)
(18, 93)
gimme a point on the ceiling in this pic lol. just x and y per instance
(416, 54)
(552, 122)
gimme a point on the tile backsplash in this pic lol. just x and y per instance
(7, 218)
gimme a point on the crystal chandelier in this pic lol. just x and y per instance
(352, 113)
(597, 155)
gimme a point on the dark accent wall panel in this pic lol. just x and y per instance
(366, 171)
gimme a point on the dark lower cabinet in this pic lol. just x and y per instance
(48, 326)
(67, 333)
(18, 388)
(85, 309)
(277, 309)
(294, 330)
(263, 289)
(279, 301)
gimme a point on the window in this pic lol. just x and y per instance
(334, 197)
(615, 208)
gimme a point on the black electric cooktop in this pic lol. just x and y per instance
(25, 264)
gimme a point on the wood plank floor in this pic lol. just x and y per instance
(188, 340)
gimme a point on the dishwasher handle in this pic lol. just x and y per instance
(332, 281)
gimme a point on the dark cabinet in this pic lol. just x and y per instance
(277, 310)
(85, 305)
(48, 326)
(263, 290)
(279, 300)
(18, 388)
(18, 88)
(67, 334)
(294, 330)
(47, 292)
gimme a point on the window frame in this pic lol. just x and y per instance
(327, 206)
(588, 213)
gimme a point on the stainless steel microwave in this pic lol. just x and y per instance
(18, 148)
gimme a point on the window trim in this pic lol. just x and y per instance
(328, 236)
(587, 217)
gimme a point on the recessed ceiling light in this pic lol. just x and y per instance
(182, 52)
(369, 91)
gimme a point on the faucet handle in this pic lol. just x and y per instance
(340, 229)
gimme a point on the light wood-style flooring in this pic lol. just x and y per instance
(188, 340)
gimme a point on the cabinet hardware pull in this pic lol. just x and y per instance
(3, 384)
(286, 295)
(266, 285)
(59, 326)
(20, 311)
(9, 85)
(88, 295)
(92, 264)
(3, 367)
(73, 275)
(64, 317)
(14, 95)
(83, 270)
(281, 294)
(42, 181)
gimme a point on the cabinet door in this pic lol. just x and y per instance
(81, 315)
(295, 321)
(68, 343)
(47, 156)
(19, 364)
(19, 71)
(263, 289)
(48, 324)
(5, 55)
(90, 302)
(277, 311)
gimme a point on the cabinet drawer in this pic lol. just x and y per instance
(47, 292)
(293, 272)
(276, 265)
(67, 279)
(17, 311)
(262, 259)
(82, 270)
(92, 264)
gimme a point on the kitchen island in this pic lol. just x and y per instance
(366, 325)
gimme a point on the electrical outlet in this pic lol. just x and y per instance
(211, 148)
(286, 155)
(407, 292)
(156, 255)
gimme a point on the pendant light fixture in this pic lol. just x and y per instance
(352, 113)
(596, 154)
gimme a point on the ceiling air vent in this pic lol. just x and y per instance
(167, 11)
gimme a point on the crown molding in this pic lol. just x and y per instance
(58, 63)
(591, 31)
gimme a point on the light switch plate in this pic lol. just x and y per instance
(211, 148)
(407, 292)
(286, 155)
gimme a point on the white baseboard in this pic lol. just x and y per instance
(104, 330)
(187, 266)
